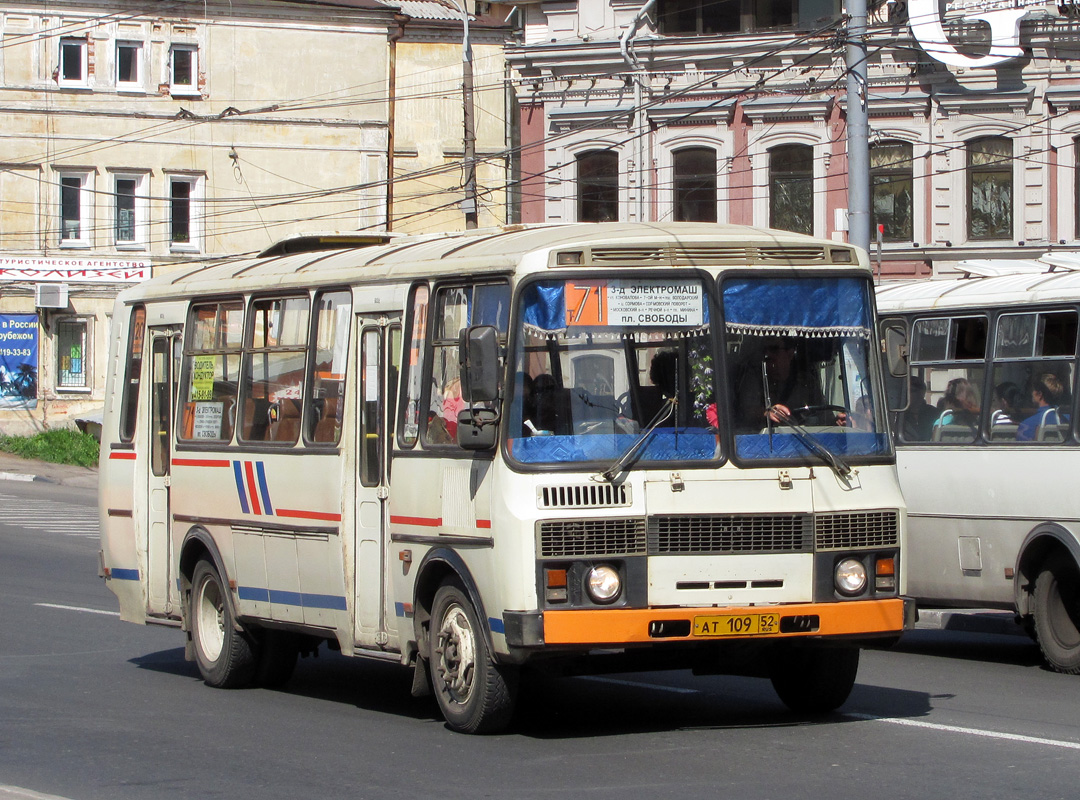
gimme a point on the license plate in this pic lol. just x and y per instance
(737, 624)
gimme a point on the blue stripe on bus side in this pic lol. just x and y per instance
(124, 574)
(496, 625)
(302, 599)
(238, 472)
(263, 489)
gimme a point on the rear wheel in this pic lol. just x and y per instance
(1057, 613)
(224, 655)
(475, 694)
(815, 680)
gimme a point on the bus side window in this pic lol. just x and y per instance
(211, 369)
(130, 401)
(326, 406)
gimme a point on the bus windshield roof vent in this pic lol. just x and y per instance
(708, 255)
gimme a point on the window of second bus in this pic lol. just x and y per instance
(948, 358)
(1034, 377)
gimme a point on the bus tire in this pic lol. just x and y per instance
(815, 680)
(278, 652)
(1057, 613)
(475, 694)
(225, 656)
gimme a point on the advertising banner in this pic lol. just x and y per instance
(18, 360)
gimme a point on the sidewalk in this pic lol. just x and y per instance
(15, 468)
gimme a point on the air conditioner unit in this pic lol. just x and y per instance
(51, 295)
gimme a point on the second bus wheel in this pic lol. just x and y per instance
(475, 694)
(815, 680)
(224, 655)
(1057, 613)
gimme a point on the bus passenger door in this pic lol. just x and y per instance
(161, 593)
(377, 371)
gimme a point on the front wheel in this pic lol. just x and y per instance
(224, 655)
(815, 680)
(475, 694)
(1057, 614)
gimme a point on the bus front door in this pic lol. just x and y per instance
(161, 592)
(377, 362)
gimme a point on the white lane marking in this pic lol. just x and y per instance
(18, 793)
(641, 685)
(1011, 737)
(15, 476)
(79, 608)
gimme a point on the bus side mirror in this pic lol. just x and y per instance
(894, 343)
(477, 428)
(478, 357)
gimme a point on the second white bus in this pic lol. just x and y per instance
(987, 447)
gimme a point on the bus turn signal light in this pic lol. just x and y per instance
(885, 575)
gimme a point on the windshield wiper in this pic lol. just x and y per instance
(624, 460)
(838, 464)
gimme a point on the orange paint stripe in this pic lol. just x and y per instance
(619, 626)
(483, 523)
(200, 462)
(426, 522)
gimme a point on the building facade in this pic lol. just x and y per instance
(736, 111)
(143, 138)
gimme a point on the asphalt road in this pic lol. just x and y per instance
(92, 708)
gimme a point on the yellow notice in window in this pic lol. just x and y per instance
(203, 369)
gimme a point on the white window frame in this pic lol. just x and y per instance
(184, 88)
(87, 322)
(195, 205)
(142, 210)
(139, 84)
(85, 198)
(66, 45)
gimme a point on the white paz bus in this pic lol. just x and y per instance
(987, 444)
(599, 447)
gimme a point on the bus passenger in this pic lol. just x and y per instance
(1046, 394)
(1009, 403)
(920, 416)
(961, 405)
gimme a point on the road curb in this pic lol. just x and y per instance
(15, 793)
(22, 476)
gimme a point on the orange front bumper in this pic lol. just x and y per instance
(870, 618)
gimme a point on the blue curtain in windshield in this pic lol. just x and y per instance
(544, 306)
(797, 306)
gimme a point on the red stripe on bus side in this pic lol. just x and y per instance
(483, 523)
(297, 514)
(200, 462)
(253, 493)
(427, 522)
(121, 456)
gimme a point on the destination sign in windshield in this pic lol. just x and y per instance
(634, 303)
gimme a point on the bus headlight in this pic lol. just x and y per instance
(850, 576)
(603, 584)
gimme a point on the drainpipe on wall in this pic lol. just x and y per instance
(640, 122)
(391, 116)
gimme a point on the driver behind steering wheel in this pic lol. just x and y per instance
(791, 386)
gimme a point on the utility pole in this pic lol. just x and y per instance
(858, 128)
(468, 205)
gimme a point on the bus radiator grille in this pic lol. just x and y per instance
(730, 533)
(857, 531)
(577, 538)
(594, 495)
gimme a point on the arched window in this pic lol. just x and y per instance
(791, 188)
(694, 185)
(598, 186)
(990, 188)
(891, 183)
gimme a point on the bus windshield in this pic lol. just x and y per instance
(799, 367)
(601, 362)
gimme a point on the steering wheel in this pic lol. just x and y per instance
(803, 415)
(624, 405)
